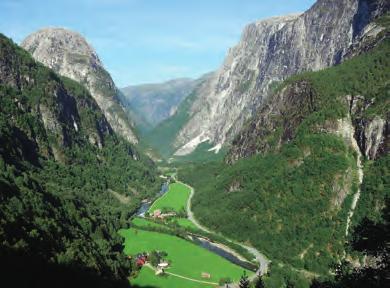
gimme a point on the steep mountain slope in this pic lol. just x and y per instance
(269, 52)
(59, 163)
(294, 194)
(164, 134)
(277, 120)
(69, 54)
(153, 103)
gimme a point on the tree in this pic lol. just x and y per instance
(244, 281)
(154, 258)
(225, 282)
(259, 282)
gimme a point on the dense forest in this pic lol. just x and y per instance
(284, 201)
(67, 182)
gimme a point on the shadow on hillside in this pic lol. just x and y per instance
(373, 239)
(25, 271)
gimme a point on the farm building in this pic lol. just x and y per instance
(158, 214)
(163, 265)
(206, 275)
(141, 260)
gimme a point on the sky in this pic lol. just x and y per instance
(148, 41)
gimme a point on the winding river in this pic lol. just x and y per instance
(213, 247)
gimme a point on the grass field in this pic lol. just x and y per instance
(187, 259)
(146, 278)
(184, 222)
(141, 222)
(174, 200)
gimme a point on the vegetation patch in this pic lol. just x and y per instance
(284, 202)
(174, 200)
(185, 258)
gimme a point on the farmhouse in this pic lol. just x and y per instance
(141, 259)
(206, 275)
(158, 214)
(163, 265)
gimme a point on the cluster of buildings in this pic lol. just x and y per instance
(142, 259)
(157, 214)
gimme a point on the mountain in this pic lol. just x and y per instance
(306, 180)
(269, 52)
(62, 168)
(153, 103)
(69, 54)
(163, 135)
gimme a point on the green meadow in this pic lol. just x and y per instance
(182, 222)
(142, 222)
(186, 258)
(174, 200)
(186, 223)
(146, 278)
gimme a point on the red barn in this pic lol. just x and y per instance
(141, 261)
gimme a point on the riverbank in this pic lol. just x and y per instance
(191, 255)
(260, 258)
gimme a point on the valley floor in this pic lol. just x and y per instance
(188, 261)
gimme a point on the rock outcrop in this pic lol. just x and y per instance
(277, 121)
(68, 114)
(371, 133)
(69, 54)
(269, 52)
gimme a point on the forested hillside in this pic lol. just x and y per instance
(163, 135)
(291, 194)
(61, 171)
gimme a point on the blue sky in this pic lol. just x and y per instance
(147, 41)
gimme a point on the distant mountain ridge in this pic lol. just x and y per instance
(70, 55)
(150, 104)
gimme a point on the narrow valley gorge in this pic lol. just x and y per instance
(271, 171)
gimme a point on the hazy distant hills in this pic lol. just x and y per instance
(150, 104)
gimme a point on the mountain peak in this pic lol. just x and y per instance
(69, 54)
(59, 41)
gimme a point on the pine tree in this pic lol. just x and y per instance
(244, 281)
(259, 283)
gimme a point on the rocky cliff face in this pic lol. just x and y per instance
(69, 54)
(361, 90)
(269, 52)
(371, 133)
(60, 113)
(276, 123)
(153, 103)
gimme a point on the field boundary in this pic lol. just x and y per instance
(183, 277)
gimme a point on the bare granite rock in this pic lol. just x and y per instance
(69, 54)
(269, 52)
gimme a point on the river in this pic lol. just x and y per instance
(223, 253)
(212, 247)
(146, 204)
